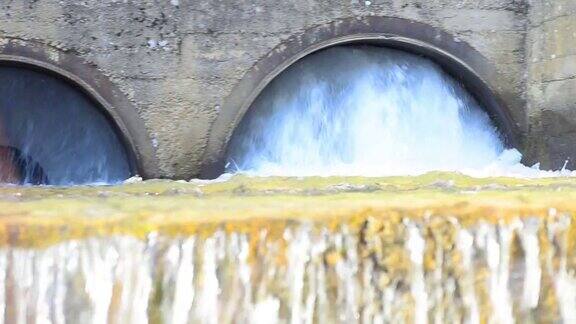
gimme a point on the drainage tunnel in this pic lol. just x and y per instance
(52, 132)
(366, 110)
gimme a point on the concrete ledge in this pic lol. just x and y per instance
(35, 216)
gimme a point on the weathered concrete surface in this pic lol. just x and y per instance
(178, 60)
(552, 81)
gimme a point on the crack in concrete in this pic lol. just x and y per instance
(572, 77)
(549, 20)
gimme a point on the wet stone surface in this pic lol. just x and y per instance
(442, 247)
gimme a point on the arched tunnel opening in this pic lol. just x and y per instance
(366, 109)
(53, 132)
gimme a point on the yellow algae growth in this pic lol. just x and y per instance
(45, 215)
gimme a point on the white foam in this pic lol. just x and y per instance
(370, 112)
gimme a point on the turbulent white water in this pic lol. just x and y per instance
(369, 111)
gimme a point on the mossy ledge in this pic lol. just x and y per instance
(42, 216)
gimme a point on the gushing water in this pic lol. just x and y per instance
(345, 111)
(435, 270)
(368, 111)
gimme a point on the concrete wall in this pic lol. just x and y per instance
(178, 60)
(551, 46)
